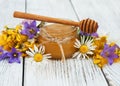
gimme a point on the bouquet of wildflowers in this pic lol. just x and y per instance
(20, 41)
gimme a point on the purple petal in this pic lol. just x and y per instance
(83, 33)
(111, 49)
(33, 24)
(35, 31)
(26, 25)
(31, 36)
(87, 34)
(19, 54)
(1, 50)
(117, 46)
(94, 35)
(103, 54)
(114, 56)
(11, 60)
(106, 46)
(1, 57)
(110, 60)
(23, 32)
(17, 60)
(14, 50)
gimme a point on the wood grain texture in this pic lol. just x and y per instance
(70, 73)
(10, 74)
(106, 12)
(112, 73)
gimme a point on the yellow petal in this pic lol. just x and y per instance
(18, 27)
(103, 39)
(117, 59)
(112, 44)
(96, 61)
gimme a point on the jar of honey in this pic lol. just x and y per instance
(58, 39)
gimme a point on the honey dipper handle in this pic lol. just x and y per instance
(23, 15)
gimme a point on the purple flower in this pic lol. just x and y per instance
(30, 29)
(14, 56)
(109, 53)
(87, 34)
(3, 54)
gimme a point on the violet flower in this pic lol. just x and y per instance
(87, 34)
(30, 29)
(3, 54)
(14, 56)
(109, 53)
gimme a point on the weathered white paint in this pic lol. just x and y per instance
(112, 73)
(10, 74)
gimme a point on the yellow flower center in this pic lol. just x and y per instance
(38, 57)
(31, 31)
(107, 53)
(15, 55)
(83, 49)
(0, 53)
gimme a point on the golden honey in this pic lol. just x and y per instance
(51, 36)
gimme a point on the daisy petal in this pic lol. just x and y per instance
(78, 42)
(29, 53)
(82, 39)
(79, 56)
(87, 40)
(76, 46)
(47, 55)
(32, 51)
(42, 49)
(90, 52)
(35, 48)
(75, 54)
(86, 56)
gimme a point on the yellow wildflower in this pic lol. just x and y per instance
(99, 43)
(3, 39)
(27, 45)
(21, 38)
(112, 44)
(18, 27)
(117, 59)
(99, 60)
(6, 42)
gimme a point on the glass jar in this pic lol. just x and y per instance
(57, 38)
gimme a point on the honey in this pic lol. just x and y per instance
(54, 35)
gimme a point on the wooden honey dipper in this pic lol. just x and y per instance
(86, 25)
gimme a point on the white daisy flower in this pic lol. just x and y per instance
(85, 46)
(38, 53)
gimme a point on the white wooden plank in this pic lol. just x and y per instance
(55, 73)
(112, 74)
(106, 12)
(10, 74)
(53, 8)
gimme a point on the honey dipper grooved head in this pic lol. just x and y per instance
(88, 26)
